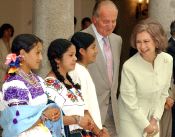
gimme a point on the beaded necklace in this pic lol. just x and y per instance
(30, 78)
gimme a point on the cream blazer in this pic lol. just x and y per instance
(144, 89)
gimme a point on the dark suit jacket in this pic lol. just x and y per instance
(98, 72)
(171, 51)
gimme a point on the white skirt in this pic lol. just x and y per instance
(38, 131)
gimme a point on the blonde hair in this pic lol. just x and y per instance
(155, 30)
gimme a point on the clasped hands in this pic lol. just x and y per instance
(87, 123)
(152, 129)
(52, 114)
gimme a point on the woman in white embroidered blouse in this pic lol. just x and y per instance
(62, 90)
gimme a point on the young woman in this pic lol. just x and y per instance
(25, 111)
(62, 90)
(145, 82)
(86, 52)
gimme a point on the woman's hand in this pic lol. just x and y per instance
(86, 123)
(151, 130)
(153, 122)
(169, 103)
(52, 114)
(104, 133)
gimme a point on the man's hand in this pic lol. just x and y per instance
(169, 103)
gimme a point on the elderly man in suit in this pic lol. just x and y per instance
(105, 70)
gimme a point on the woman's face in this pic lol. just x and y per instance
(145, 44)
(68, 61)
(7, 33)
(89, 55)
(33, 58)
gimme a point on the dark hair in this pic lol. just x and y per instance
(84, 20)
(98, 4)
(25, 42)
(172, 28)
(56, 50)
(5, 27)
(75, 20)
(154, 29)
(81, 40)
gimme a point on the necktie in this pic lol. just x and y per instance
(109, 60)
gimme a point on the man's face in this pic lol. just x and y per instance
(106, 21)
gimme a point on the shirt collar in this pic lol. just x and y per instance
(99, 37)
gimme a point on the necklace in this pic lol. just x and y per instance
(30, 78)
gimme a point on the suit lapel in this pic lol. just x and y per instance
(115, 51)
(101, 64)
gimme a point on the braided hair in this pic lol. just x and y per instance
(56, 50)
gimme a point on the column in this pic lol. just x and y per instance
(163, 11)
(52, 19)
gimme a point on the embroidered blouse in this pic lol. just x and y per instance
(70, 100)
(17, 90)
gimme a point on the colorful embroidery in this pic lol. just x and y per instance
(79, 94)
(16, 93)
(71, 95)
(56, 84)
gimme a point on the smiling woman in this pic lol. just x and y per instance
(146, 46)
(145, 82)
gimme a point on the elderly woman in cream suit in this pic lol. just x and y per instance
(145, 82)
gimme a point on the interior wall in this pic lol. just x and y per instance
(18, 13)
(82, 8)
(125, 23)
